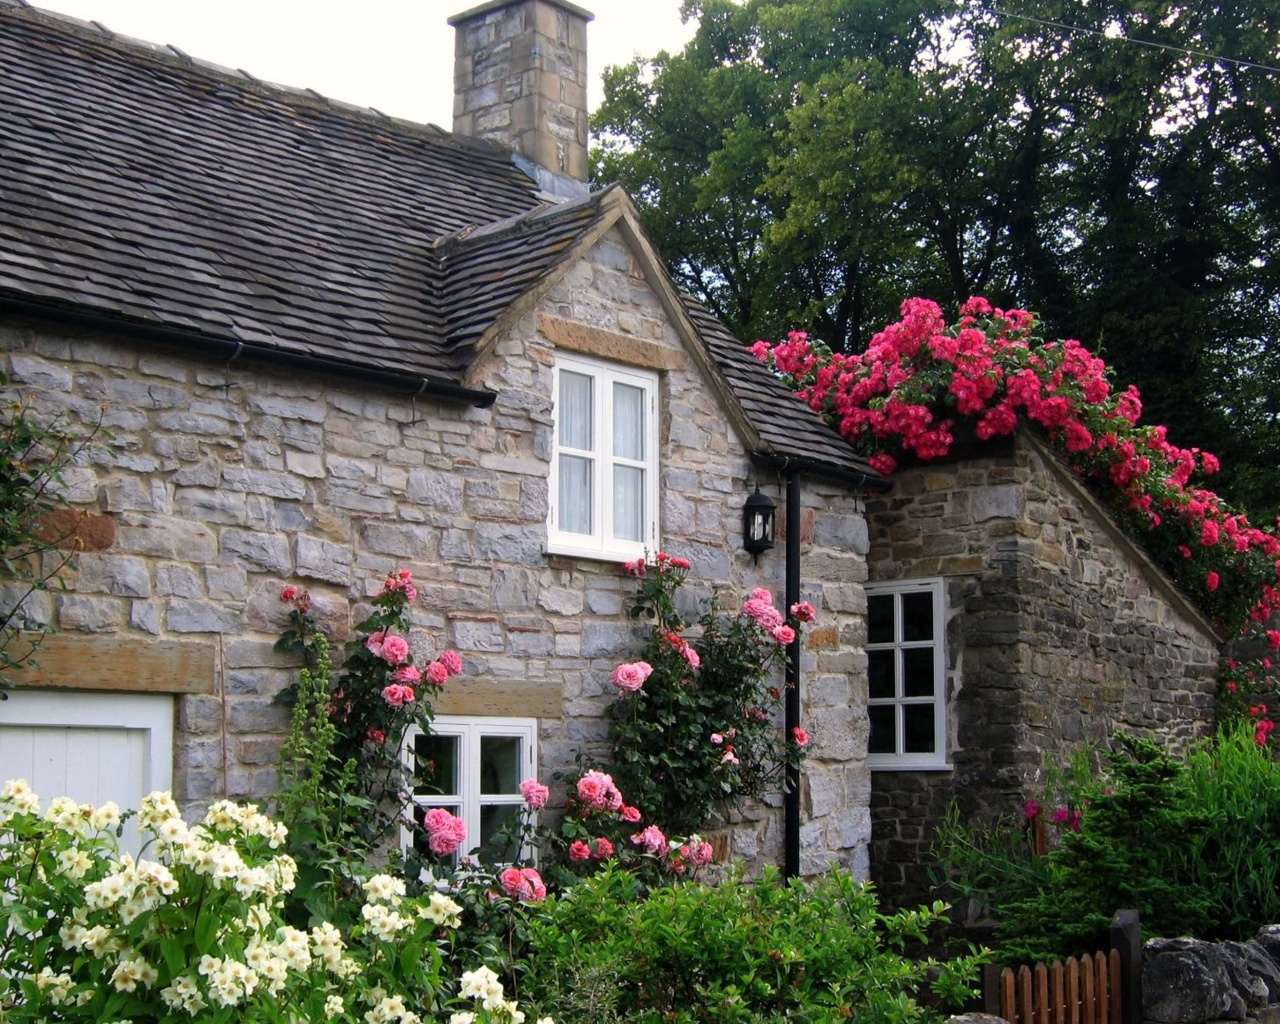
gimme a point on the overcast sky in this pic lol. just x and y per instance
(396, 55)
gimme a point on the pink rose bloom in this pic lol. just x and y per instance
(1211, 581)
(630, 677)
(651, 839)
(1060, 816)
(523, 884)
(373, 643)
(401, 582)
(596, 790)
(288, 594)
(451, 662)
(603, 850)
(630, 814)
(783, 634)
(535, 883)
(801, 737)
(762, 613)
(375, 735)
(729, 757)
(578, 850)
(445, 833)
(535, 793)
(1031, 809)
(804, 611)
(635, 568)
(717, 738)
(680, 563)
(394, 650)
(437, 674)
(406, 675)
(702, 853)
(690, 655)
(398, 696)
(762, 594)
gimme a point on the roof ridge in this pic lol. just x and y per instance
(171, 56)
(474, 234)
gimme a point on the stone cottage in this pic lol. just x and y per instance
(325, 345)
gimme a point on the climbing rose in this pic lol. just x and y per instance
(651, 839)
(631, 676)
(635, 568)
(288, 594)
(603, 850)
(445, 833)
(451, 662)
(394, 650)
(629, 814)
(523, 884)
(801, 737)
(680, 563)
(375, 735)
(1211, 580)
(398, 696)
(578, 850)
(535, 793)
(401, 582)
(406, 675)
(691, 656)
(783, 634)
(596, 790)
(804, 611)
(436, 673)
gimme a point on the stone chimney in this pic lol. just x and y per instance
(520, 79)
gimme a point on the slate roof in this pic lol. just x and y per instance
(166, 194)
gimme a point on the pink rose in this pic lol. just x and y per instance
(702, 853)
(717, 738)
(535, 793)
(729, 757)
(801, 737)
(804, 611)
(375, 736)
(762, 594)
(630, 814)
(445, 833)
(437, 674)
(373, 643)
(691, 656)
(1211, 581)
(394, 650)
(406, 675)
(1031, 809)
(603, 850)
(578, 850)
(398, 696)
(288, 594)
(451, 662)
(783, 634)
(401, 582)
(680, 563)
(630, 677)
(651, 839)
(635, 568)
(597, 791)
(523, 884)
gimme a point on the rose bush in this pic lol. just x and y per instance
(921, 382)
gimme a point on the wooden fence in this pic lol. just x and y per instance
(1102, 988)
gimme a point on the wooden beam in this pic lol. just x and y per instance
(510, 698)
(107, 661)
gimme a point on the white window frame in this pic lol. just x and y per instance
(469, 799)
(600, 543)
(900, 760)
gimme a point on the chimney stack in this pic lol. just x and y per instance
(520, 79)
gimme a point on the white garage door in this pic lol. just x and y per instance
(92, 747)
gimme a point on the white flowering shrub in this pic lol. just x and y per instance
(193, 928)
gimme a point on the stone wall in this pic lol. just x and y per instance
(224, 483)
(1060, 632)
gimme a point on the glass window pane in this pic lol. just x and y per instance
(436, 765)
(628, 422)
(628, 503)
(884, 733)
(917, 672)
(880, 619)
(500, 764)
(918, 727)
(575, 494)
(574, 414)
(499, 833)
(917, 616)
(880, 674)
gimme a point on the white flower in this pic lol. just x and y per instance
(18, 793)
(333, 1006)
(65, 814)
(132, 971)
(384, 888)
(383, 922)
(156, 809)
(104, 818)
(440, 909)
(478, 984)
(74, 863)
(462, 1017)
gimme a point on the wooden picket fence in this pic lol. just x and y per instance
(1102, 988)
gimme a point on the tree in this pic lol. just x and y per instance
(810, 164)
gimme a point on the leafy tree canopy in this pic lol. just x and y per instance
(806, 164)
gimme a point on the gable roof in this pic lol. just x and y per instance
(189, 203)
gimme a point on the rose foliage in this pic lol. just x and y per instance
(922, 382)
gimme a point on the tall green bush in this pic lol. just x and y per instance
(1192, 844)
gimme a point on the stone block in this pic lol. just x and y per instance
(257, 551)
(257, 715)
(119, 575)
(506, 542)
(184, 616)
(173, 579)
(403, 540)
(91, 614)
(1003, 501)
(322, 560)
(435, 490)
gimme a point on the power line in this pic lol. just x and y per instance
(1133, 39)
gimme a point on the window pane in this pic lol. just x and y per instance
(917, 672)
(918, 723)
(884, 736)
(496, 848)
(628, 503)
(628, 422)
(880, 619)
(574, 414)
(575, 494)
(437, 764)
(500, 764)
(917, 616)
(880, 674)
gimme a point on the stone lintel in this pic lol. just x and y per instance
(513, 698)
(80, 661)
(572, 336)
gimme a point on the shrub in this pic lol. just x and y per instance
(1192, 845)
(743, 950)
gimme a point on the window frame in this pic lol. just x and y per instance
(600, 543)
(901, 760)
(469, 800)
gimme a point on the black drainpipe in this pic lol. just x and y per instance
(791, 713)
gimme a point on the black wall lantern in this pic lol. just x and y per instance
(757, 523)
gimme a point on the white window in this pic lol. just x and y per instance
(604, 462)
(906, 674)
(472, 767)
